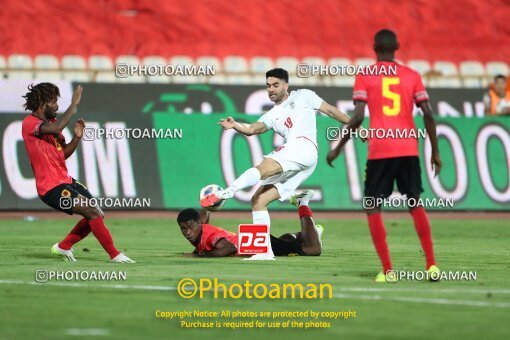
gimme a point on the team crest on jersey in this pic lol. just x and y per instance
(58, 145)
(65, 193)
(292, 106)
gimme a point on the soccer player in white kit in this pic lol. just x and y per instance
(284, 169)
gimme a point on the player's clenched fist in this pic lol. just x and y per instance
(228, 123)
(78, 128)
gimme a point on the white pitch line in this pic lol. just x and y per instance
(426, 300)
(85, 285)
(341, 296)
(87, 331)
(414, 290)
(342, 289)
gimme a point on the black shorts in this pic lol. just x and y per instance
(380, 175)
(286, 248)
(61, 196)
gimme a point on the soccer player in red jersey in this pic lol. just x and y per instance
(212, 241)
(391, 101)
(48, 150)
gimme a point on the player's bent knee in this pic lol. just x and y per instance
(269, 167)
(313, 251)
(413, 203)
(94, 213)
(90, 213)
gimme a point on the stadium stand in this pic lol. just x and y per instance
(130, 32)
(234, 69)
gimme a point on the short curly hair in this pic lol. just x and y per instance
(189, 214)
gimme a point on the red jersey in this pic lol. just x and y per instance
(390, 100)
(211, 235)
(46, 153)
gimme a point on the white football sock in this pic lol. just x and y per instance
(304, 201)
(262, 217)
(249, 178)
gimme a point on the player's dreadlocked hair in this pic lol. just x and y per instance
(40, 94)
(189, 214)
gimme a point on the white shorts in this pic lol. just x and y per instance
(298, 159)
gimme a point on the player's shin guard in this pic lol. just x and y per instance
(79, 232)
(103, 236)
(249, 178)
(422, 226)
(378, 232)
(262, 217)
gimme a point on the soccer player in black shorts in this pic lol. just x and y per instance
(48, 150)
(391, 99)
(212, 241)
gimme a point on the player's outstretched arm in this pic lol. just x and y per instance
(244, 128)
(430, 126)
(334, 113)
(354, 124)
(204, 215)
(222, 249)
(57, 127)
(78, 133)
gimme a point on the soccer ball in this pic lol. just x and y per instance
(210, 189)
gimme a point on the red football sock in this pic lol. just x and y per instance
(378, 232)
(304, 211)
(103, 236)
(79, 232)
(422, 226)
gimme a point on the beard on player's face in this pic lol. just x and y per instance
(50, 111)
(277, 95)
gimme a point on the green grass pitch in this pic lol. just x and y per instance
(405, 310)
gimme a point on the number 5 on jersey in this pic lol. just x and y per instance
(394, 109)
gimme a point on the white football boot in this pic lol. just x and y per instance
(66, 254)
